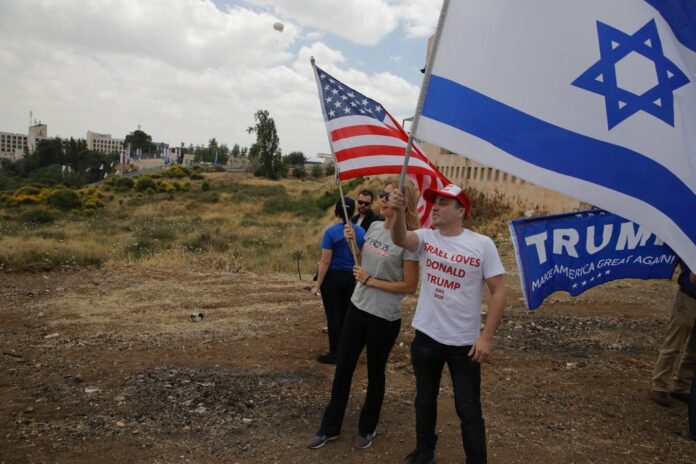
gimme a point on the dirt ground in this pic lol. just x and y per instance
(105, 365)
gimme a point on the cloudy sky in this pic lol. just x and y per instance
(190, 70)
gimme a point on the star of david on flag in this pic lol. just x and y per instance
(596, 100)
(622, 103)
(366, 140)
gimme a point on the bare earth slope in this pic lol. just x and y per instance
(106, 366)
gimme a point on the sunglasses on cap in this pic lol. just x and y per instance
(384, 195)
(364, 203)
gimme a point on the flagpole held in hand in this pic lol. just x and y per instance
(423, 90)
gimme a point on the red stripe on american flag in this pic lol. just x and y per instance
(353, 131)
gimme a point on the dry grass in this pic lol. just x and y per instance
(241, 223)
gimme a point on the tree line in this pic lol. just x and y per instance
(71, 163)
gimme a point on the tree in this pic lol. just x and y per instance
(296, 158)
(235, 151)
(299, 171)
(266, 148)
(139, 139)
(317, 171)
(330, 170)
(208, 154)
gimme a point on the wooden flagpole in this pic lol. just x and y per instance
(351, 243)
(423, 90)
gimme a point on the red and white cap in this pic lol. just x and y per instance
(449, 191)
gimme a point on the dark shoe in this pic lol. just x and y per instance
(319, 440)
(661, 398)
(683, 397)
(364, 441)
(418, 456)
(327, 359)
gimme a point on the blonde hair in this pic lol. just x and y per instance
(411, 196)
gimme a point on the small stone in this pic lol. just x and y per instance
(200, 410)
(247, 421)
(52, 335)
(29, 409)
(120, 424)
(78, 378)
(89, 390)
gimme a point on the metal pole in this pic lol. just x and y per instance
(424, 89)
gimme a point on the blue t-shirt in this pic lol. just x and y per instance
(341, 259)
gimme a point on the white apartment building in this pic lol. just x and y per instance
(13, 145)
(103, 143)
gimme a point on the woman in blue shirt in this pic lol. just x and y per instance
(335, 277)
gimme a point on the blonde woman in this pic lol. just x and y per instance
(387, 273)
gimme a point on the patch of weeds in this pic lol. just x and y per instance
(209, 197)
(205, 241)
(259, 242)
(241, 192)
(248, 221)
(141, 248)
(39, 215)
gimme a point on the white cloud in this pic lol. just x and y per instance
(183, 69)
(419, 16)
(364, 22)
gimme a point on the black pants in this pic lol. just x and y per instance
(360, 329)
(336, 290)
(429, 357)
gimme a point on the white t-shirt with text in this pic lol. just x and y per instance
(453, 271)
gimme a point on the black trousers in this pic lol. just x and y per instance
(336, 290)
(361, 329)
(428, 358)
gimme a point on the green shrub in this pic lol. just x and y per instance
(299, 172)
(196, 176)
(39, 215)
(317, 171)
(123, 184)
(165, 186)
(145, 182)
(205, 186)
(330, 170)
(64, 199)
(177, 172)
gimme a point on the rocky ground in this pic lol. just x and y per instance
(107, 366)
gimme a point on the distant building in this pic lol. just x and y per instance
(14, 146)
(103, 143)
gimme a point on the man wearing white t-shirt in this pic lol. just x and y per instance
(455, 264)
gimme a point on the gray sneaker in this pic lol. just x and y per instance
(319, 440)
(364, 441)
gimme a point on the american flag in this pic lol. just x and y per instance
(368, 141)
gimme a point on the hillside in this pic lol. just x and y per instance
(100, 356)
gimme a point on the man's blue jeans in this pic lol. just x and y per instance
(428, 358)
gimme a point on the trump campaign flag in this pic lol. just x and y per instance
(595, 99)
(366, 140)
(574, 252)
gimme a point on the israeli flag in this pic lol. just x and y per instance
(592, 98)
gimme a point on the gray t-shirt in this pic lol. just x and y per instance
(383, 260)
